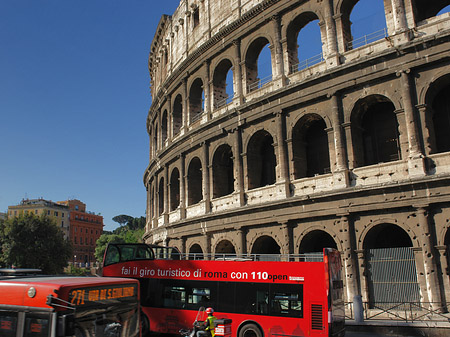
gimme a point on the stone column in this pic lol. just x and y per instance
(340, 169)
(331, 55)
(429, 257)
(444, 270)
(399, 16)
(349, 258)
(238, 166)
(427, 127)
(205, 177)
(243, 240)
(183, 248)
(169, 118)
(362, 274)
(416, 163)
(207, 88)
(182, 187)
(283, 178)
(279, 66)
(208, 255)
(238, 71)
(287, 231)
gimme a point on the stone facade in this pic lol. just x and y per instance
(351, 152)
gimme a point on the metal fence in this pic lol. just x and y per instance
(308, 257)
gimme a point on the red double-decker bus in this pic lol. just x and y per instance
(262, 298)
(59, 306)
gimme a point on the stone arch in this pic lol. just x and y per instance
(161, 196)
(386, 235)
(375, 131)
(437, 118)
(174, 190)
(177, 115)
(252, 55)
(194, 181)
(424, 9)
(196, 100)
(315, 241)
(164, 127)
(195, 252)
(220, 93)
(265, 244)
(223, 171)
(261, 160)
(293, 29)
(225, 248)
(311, 154)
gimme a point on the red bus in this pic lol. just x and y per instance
(59, 306)
(262, 298)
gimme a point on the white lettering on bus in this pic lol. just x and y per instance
(239, 275)
(173, 272)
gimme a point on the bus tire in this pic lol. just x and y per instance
(250, 330)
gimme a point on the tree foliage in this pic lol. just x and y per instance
(31, 241)
(131, 232)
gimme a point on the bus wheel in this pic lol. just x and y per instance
(250, 330)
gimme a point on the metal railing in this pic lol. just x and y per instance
(402, 311)
(259, 83)
(224, 101)
(197, 116)
(366, 39)
(307, 63)
(309, 257)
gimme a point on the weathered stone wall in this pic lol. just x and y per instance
(277, 200)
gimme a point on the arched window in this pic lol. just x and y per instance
(315, 242)
(223, 83)
(363, 22)
(161, 197)
(304, 42)
(195, 252)
(261, 160)
(310, 147)
(266, 248)
(194, 179)
(164, 127)
(225, 249)
(177, 115)
(196, 100)
(441, 119)
(375, 131)
(223, 177)
(174, 189)
(427, 9)
(258, 64)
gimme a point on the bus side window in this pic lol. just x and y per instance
(8, 324)
(174, 297)
(36, 326)
(287, 300)
(112, 255)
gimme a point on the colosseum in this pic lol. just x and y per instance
(347, 149)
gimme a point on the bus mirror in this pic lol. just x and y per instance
(66, 325)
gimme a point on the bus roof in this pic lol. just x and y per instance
(34, 291)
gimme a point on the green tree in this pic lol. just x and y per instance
(122, 219)
(103, 241)
(31, 241)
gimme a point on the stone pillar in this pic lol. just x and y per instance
(283, 178)
(288, 238)
(279, 66)
(238, 71)
(169, 119)
(331, 55)
(338, 132)
(362, 275)
(243, 240)
(238, 166)
(205, 177)
(183, 248)
(349, 258)
(182, 187)
(399, 16)
(429, 257)
(208, 91)
(208, 255)
(427, 127)
(416, 163)
(445, 272)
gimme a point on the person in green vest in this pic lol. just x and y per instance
(208, 325)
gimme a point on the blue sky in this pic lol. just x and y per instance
(74, 96)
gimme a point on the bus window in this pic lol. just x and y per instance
(250, 297)
(200, 297)
(287, 301)
(112, 255)
(36, 326)
(174, 297)
(8, 324)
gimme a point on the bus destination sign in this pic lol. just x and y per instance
(89, 296)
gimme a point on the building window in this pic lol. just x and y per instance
(196, 16)
(75, 239)
(56, 213)
(62, 215)
(48, 212)
(81, 240)
(76, 207)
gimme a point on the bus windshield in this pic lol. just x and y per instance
(43, 306)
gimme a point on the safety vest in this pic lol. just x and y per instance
(210, 326)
